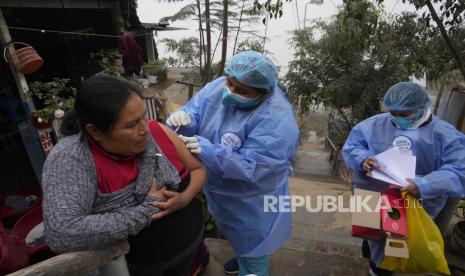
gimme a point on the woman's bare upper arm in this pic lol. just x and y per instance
(184, 154)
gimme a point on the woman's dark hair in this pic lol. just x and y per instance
(99, 101)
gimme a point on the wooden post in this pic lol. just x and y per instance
(115, 17)
(29, 134)
(149, 45)
(190, 85)
(20, 81)
(191, 92)
(76, 263)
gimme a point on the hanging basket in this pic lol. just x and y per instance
(25, 59)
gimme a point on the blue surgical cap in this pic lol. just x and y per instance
(406, 96)
(253, 69)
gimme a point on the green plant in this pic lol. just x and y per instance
(109, 60)
(232, 19)
(209, 222)
(353, 76)
(56, 94)
(156, 68)
(462, 204)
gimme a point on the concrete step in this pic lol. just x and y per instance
(290, 262)
(335, 179)
(317, 153)
(313, 162)
(322, 232)
(321, 243)
(324, 238)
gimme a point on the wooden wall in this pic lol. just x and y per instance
(70, 4)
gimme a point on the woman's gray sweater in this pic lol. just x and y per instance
(77, 216)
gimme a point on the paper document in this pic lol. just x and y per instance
(394, 166)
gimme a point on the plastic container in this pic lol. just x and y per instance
(26, 224)
(13, 251)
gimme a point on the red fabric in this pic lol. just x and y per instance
(13, 251)
(168, 147)
(113, 172)
(131, 52)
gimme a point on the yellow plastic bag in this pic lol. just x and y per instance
(424, 242)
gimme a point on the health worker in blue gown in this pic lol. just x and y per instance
(242, 127)
(438, 146)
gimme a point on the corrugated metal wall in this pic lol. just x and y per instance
(452, 107)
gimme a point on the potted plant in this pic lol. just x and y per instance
(53, 95)
(52, 98)
(156, 68)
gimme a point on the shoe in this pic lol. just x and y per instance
(231, 266)
(371, 272)
(376, 271)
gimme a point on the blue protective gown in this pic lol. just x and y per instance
(247, 155)
(440, 169)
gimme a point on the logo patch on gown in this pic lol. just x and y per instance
(402, 142)
(231, 139)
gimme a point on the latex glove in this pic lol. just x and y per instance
(175, 202)
(179, 118)
(192, 144)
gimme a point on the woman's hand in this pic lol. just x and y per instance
(369, 164)
(411, 189)
(155, 192)
(174, 202)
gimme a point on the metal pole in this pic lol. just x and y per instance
(310, 2)
(305, 12)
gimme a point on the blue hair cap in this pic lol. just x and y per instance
(406, 96)
(253, 69)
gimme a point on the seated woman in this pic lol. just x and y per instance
(108, 180)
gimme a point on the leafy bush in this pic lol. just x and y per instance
(156, 68)
(109, 60)
(54, 95)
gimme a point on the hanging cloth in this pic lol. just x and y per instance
(131, 51)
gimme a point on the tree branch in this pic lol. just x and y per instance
(225, 37)
(201, 42)
(445, 36)
(239, 26)
(344, 117)
(209, 42)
